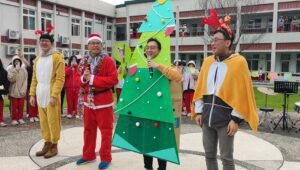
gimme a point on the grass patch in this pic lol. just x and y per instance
(276, 101)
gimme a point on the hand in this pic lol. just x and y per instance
(198, 120)
(121, 53)
(232, 128)
(119, 70)
(32, 101)
(87, 74)
(152, 64)
(52, 101)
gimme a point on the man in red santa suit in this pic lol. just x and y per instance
(98, 74)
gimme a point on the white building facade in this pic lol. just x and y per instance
(268, 31)
(73, 21)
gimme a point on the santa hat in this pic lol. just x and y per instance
(94, 37)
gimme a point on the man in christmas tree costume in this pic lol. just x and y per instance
(47, 81)
(224, 95)
(148, 121)
(98, 74)
(152, 50)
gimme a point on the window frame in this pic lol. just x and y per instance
(28, 18)
(75, 27)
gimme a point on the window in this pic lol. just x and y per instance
(298, 63)
(75, 52)
(109, 32)
(88, 28)
(29, 53)
(253, 62)
(134, 30)
(172, 57)
(75, 27)
(285, 62)
(270, 25)
(182, 57)
(121, 32)
(46, 20)
(254, 23)
(268, 62)
(28, 19)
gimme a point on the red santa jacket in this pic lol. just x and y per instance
(103, 82)
(71, 76)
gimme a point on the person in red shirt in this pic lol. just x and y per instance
(72, 86)
(98, 74)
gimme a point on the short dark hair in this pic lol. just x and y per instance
(71, 58)
(226, 36)
(14, 62)
(157, 42)
(48, 37)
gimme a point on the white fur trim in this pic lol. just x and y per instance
(94, 38)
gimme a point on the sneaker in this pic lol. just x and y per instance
(69, 116)
(63, 115)
(21, 121)
(14, 122)
(27, 115)
(31, 119)
(2, 124)
(36, 119)
(103, 165)
(77, 117)
(189, 114)
(184, 113)
(81, 161)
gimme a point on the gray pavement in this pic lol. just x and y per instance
(261, 150)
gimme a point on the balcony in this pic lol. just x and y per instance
(191, 32)
(289, 27)
(257, 30)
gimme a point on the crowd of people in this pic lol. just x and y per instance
(218, 97)
(288, 24)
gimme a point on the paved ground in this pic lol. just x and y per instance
(262, 150)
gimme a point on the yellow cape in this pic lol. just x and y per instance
(236, 90)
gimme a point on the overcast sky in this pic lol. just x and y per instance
(115, 2)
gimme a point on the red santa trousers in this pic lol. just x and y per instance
(32, 110)
(17, 108)
(72, 99)
(188, 98)
(94, 119)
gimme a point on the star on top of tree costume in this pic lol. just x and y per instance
(146, 117)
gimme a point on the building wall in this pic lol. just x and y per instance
(265, 40)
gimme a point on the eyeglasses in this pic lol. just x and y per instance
(95, 43)
(150, 47)
(214, 40)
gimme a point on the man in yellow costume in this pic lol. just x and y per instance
(47, 82)
(223, 97)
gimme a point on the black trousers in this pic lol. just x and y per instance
(162, 165)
